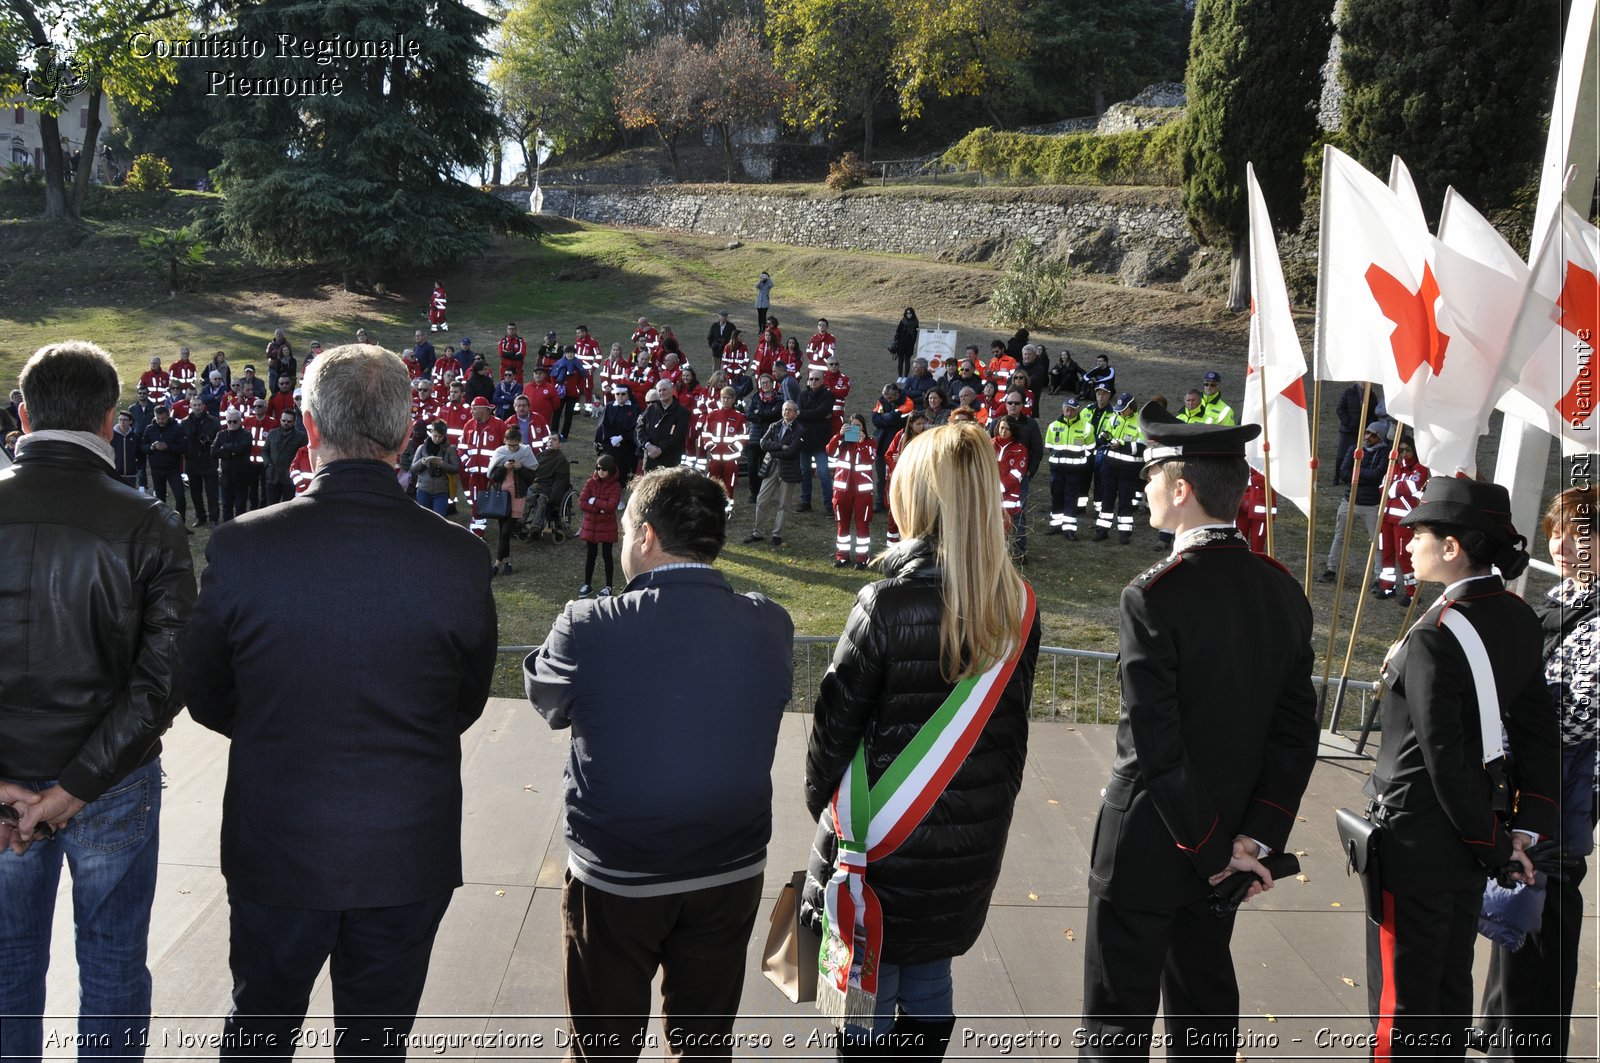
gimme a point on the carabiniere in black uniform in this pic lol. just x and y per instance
(1216, 738)
(1447, 816)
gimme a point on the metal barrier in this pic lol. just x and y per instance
(1078, 686)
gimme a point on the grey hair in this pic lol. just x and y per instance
(70, 386)
(359, 398)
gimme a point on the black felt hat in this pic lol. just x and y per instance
(1484, 507)
(1174, 440)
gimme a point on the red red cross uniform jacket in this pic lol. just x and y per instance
(413, 367)
(647, 339)
(891, 458)
(436, 305)
(722, 438)
(545, 399)
(258, 427)
(736, 355)
(158, 381)
(479, 441)
(182, 374)
(1252, 518)
(300, 471)
(838, 386)
(589, 355)
(641, 381)
(820, 346)
(1405, 491)
(455, 417)
(852, 496)
(1012, 457)
(513, 351)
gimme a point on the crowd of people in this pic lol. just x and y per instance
(919, 734)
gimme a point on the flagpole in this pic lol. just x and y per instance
(1316, 394)
(1372, 550)
(1344, 554)
(1377, 702)
(1266, 453)
(1311, 514)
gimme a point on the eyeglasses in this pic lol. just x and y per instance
(1013, 402)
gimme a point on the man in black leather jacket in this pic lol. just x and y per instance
(96, 585)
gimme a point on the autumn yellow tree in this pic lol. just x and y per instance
(741, 86)
(836, 54)
(947, 48)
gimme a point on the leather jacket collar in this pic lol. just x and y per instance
(62, 452)
(911, 559)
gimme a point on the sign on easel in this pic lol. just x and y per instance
(938, 346)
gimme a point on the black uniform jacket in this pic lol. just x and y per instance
(345, 683)
(1441, 833)
(1217, 733)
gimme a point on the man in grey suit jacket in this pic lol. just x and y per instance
(341, 819)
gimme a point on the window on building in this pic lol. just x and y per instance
(22, 116)
(83, 118)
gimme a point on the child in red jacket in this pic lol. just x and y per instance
(599, 500)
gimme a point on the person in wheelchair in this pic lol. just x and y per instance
(550, 499)
(511, 468)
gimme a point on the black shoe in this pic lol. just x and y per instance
(1124, 538)
(1100, 535)
(1381, 592)
(777, 540)
(804, 507)
(450, 510)
(1328, 576)
(508, 567)
(840, 562)
(754, 537)
(1054, 529)
(861, 566)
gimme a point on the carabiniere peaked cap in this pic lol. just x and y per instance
(1172, 439)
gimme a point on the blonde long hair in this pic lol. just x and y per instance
(946, 491)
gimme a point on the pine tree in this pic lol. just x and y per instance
(1088, 54)
(364, 176)
(1457, 88)
(1255, 76)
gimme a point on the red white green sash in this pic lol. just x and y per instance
(870, 823)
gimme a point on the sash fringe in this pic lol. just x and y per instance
(856, 1007)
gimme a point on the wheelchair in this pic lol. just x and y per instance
(539, 514)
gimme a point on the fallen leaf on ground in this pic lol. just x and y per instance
(1070, 935)
(1301, 878)
(1033, 896)
(1351, 982)
(1336, 904)
(499, 893)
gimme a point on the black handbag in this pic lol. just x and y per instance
(1361, 839)
(494, 503)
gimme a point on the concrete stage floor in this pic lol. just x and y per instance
(494, 990)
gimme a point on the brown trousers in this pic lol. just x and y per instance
(613, 946)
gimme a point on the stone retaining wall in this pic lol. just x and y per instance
(1142, 236)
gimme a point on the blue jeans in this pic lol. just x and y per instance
(111, 847)
(439, 503)
(823, 475)
(917, 991)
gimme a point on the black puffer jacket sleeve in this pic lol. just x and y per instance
(883, 685)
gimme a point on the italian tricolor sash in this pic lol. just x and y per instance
(872, 822)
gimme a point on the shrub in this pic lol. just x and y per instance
(848, 172)
(1031, 291)
(178, 250)
(1139, 157)
(150, 173)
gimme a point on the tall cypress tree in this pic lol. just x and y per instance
(1456, 88)
(365, 176)
(1255, 76)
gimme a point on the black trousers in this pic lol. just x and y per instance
(1527, 999)
(1178, 958)
(613, 947)
(203, 493)
(1419, 972)
(564, 415)
(162, 479)
(235, 496)
(379, 964)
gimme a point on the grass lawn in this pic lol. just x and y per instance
(89, 282)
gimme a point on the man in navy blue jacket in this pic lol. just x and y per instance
(341, 820)
(164, 445)
(668, 785)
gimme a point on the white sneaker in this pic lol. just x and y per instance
(435, 328)
(583, 591)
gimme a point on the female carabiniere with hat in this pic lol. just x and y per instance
(1216, 739)
(1443, 792)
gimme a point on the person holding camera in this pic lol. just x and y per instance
(511, 469)
(434, 462)
(763, 300)
(1452, 808)
(854, 455)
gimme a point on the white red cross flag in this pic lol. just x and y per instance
(1554, 388)
(1395, 306)
(1275, 354)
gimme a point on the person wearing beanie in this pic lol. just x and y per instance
(1453, 810)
